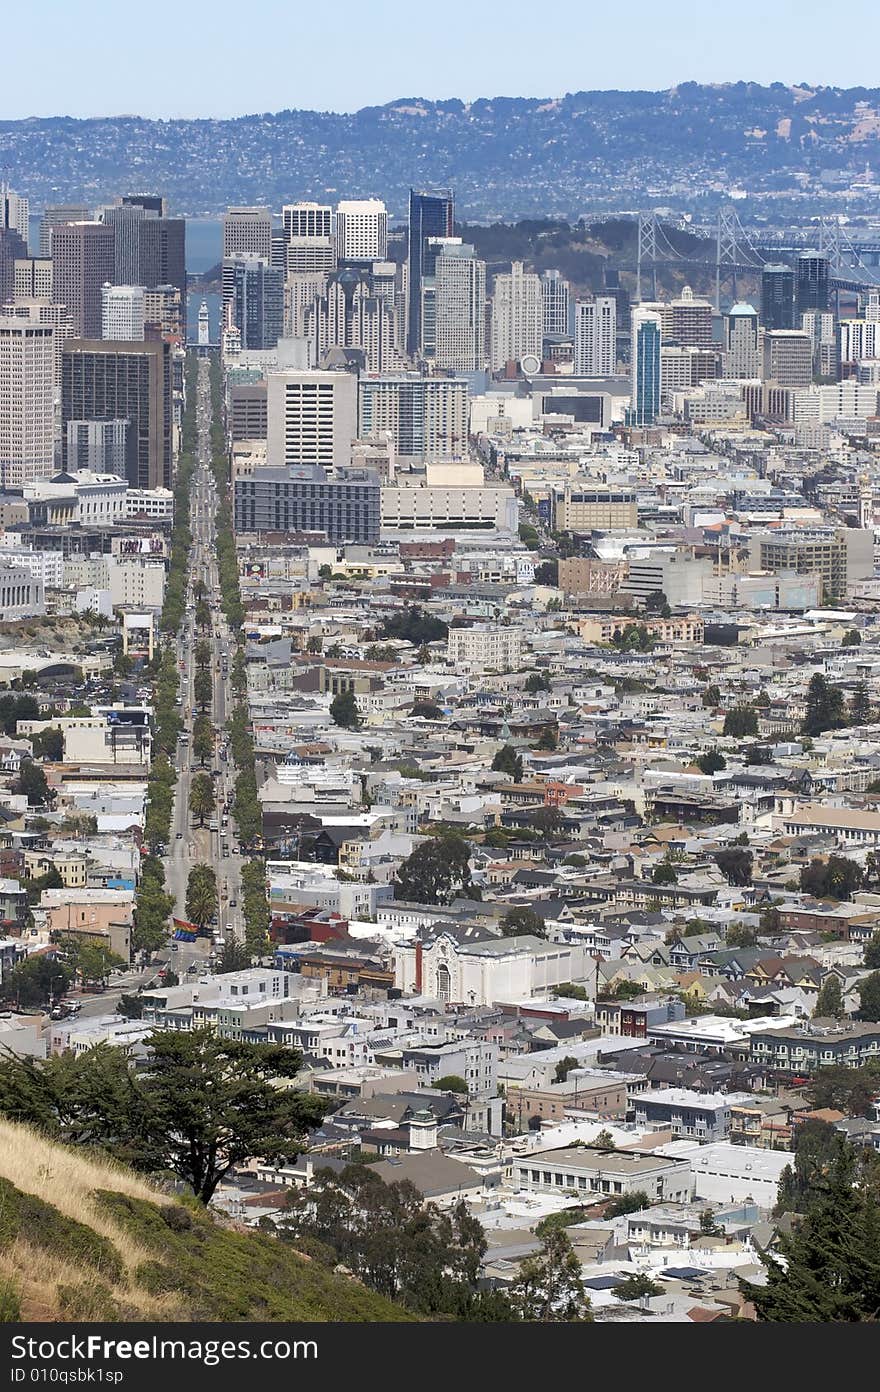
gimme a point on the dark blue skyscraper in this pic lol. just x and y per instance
(777, 297)
(430, 215)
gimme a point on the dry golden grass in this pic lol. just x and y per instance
(68, 1180)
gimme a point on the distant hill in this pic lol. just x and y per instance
(83, 1239)
(506, 157)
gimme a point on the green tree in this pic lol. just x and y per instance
(384, 1233)
(201, 895)
(735, 864)
(49, 744)
(834, 878)
(201, 797)
(711, 696)
(829, 1000)
(537, 681)
(203, 1105)
(436, 872)
(549, 1286)
(825, 707)
(664, 873)
(860, 705)
(549, 739)
(507, 760)
(851, 639)
(344, 711)
(740, 935)
(547, 573)
(522, 920)
(31, 782)
(741, 721)
(563, 1068)
(203, 739)
(872, 952)
(869, 997)
(826, 1269)
(234, 957)
(426, 710)
(203, 653)
(713, 761)
(203, 689)
(34, 982)
(635, 1287)
(627, 1203)
(451, 1082)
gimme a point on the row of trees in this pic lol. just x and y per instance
(827, 708)
(181, 536)
(255, 907)
(152, 908)
(203, 1104)
(421, 1257)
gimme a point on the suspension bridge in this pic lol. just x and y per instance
(731, 251)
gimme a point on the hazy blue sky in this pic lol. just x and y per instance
(230, 57)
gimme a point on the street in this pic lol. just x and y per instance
(190, 844)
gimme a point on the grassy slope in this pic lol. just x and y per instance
(81, 1238)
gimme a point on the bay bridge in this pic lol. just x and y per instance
(730, 250)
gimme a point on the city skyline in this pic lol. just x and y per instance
(673, 46)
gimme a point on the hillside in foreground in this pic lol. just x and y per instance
(84, 1239)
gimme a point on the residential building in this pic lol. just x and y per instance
(517, 318)
(122, 312)
(83, 261)
(483, 649)
(27, 401)
(311, 418)
(114, 381)
(426, 417)
(459, 308)
(580, 1171)
(555, 304)
(595, 337)
(646, 339)
(361, 230)
(306, 498)
(777, 297)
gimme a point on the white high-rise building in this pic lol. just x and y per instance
(743, 342)
(307, 220)
(310, 256)
(555, 302)
(858, 339)
(311, 418)
(361, 230)
(122, 313)
(517, 317)
(595, 337)
(247, 232)
(27, 401)
(459, 308)
(14, 211)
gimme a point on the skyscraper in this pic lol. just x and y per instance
(307, 220)
(646, 360)
(247, 232)
(83, 261)
(555, 304)
(361, 230)
(311, 418)
(54, 217)
(33, 278)
(122, 312)
(107, 381)
(595, 337)
(13, 248)
(460, 308)
(517, 317)
(427, 417)
(431, 215)
(742, 342)
(27, 401)
(14, 211)
(256, 299)
(777, 297)
(811, 283)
